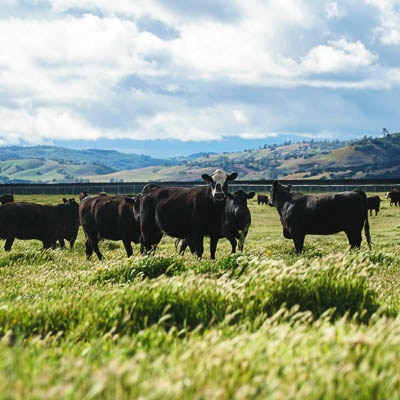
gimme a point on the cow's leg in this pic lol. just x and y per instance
(8, 244)
(95, 247)
(184, 244)
(62, 243)
(149, 239)
(198, 245)
(242, 238)
(298, 241)
(128, 247)
(142, 249)
(182, 247)
(89, 248)
(213, 246)
(233, 243)
(48, 244)
(354, 238)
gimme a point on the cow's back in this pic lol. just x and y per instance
(178, 211)
(104, 216)
(24, 220)
(327, 214)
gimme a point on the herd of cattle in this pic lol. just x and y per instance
(187, 214)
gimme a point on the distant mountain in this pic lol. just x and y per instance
(268, 162)
(110, 158)
(365, 158)
(34, 170)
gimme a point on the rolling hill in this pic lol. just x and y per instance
(361, 159)
(365, 158)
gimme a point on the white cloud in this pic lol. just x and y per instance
(71, 59)
(389, 15)
(247, 51)
(240, 116)
(335, 10)
(257, 135)
(337, 56)
(172, 125)
(42, 125)
(101, 74)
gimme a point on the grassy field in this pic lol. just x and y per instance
(265, 324)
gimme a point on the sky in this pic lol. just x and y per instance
(174, 77)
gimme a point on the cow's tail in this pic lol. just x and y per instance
(366, 223)
(366, 229)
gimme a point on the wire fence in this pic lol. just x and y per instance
(133, 188)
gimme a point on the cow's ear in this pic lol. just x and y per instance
(229, 196)
(207, 178)
(130, 200)
(65, 200)
(232, 176)
(251, 195)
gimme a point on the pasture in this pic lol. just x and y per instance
(262, 324)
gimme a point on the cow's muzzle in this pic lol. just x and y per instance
(219, 196)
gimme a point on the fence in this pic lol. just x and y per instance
(131, 188)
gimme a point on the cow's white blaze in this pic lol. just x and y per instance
(218, 182)
(218, 186)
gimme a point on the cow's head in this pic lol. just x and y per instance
(219, 183)
(240, 208)
(240, 198)
(72, 208)
(277, 192)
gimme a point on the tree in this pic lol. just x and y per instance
(385, 132)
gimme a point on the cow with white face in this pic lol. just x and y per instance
(219, 183)
(183, 212)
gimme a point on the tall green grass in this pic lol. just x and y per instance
(263, 324)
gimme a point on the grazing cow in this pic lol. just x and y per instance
(35, 221)
(374, 203)
(262, 199)
(321, 214)
(112, 218)
(69, 231)
(235, 223)
(183, 212)
(394, 196)
(6, 198)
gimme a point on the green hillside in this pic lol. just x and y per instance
(47, 171)
(362, 159)
(111, 158)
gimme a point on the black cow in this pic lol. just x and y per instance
(394, 196)
(112, 218)
(374, 203)
(23, 220)
(6, 198)
(69, 231)
(321, 214)
(183, 212)
(262, 199)
(235, 223)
